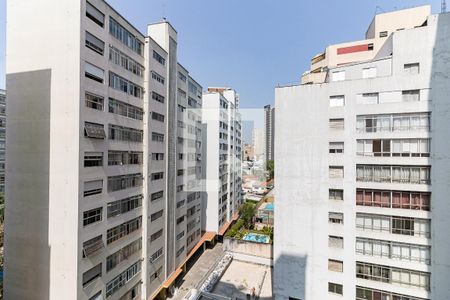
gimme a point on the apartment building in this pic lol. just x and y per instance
(258, 143)
(362, 185)
(223, 149)
(104, 162)
(269, 131)
(2, 139)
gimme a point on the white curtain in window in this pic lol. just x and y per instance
(415, 175)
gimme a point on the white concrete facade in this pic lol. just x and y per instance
(102, 196)
(223, 150)
(362, 185)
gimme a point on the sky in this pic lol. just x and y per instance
(250, 45)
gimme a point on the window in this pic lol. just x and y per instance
(123, 35)
(157, 137)
(155, 216)
(180, 188)
(336, 218)
(157, 97)
(155, 275)
(94, 43)
(370, 47)
(363, 293)
(122, 254)
(368, 98)
(122, 230)
(335, 241)
(92, 216)
(336, 147)
(92, 246)
(411, 96)
(337, 124)
(369, 72)
(125, 109)
(180, 220)
(393, 123)
(94, 130)
(335, 265)
(180, 172)
(156, 255)
(122, 182)
(336, 172)
(335, 288)
(94, 14)
(94, 73)
(94, 101)
(159, 58)
(181, 203)
(92, 274)
(393, 224)
(157, 117)
(393, 199)
(120, 133)
(158, 77)
(397, 147)
(119, 158)
(336, 194)
(411, 69)
(156, 235)
(182, 77)
(121, 84)
(383, 34)
(157, 176)
(93, 187)
(157, 156)
(123, 278)
(394, 174)
(182, 94)
(121, 59)
(93, 159)
(180, 235)
(395, 276)
(122, 206)
(180, 251)
(97, 296)
(338, 76)
(337, 101)
(393, 250)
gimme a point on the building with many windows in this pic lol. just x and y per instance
(362, 185)
(269, 131)
(223, 149)
(2, 139)
(105, 155)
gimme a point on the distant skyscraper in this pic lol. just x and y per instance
(363, 167)
(269, 131)
(2, 139)
(258, 143)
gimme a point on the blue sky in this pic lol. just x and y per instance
(250, 45)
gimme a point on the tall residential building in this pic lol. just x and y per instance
(2, 139)
(362, 184)
(223, 149)
(258, 143)
(104, 160)
(269, 131)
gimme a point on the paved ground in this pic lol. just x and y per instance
(241, 277)
(197, 272)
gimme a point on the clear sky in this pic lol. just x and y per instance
(250, 45)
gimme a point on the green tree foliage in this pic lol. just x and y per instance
(270, 167)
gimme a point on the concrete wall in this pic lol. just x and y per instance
(248, 248)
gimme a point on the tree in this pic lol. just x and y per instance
(270, 167)
(247, 212)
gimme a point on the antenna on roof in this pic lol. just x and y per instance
(443, 6)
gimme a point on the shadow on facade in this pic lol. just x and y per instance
(289, 277)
